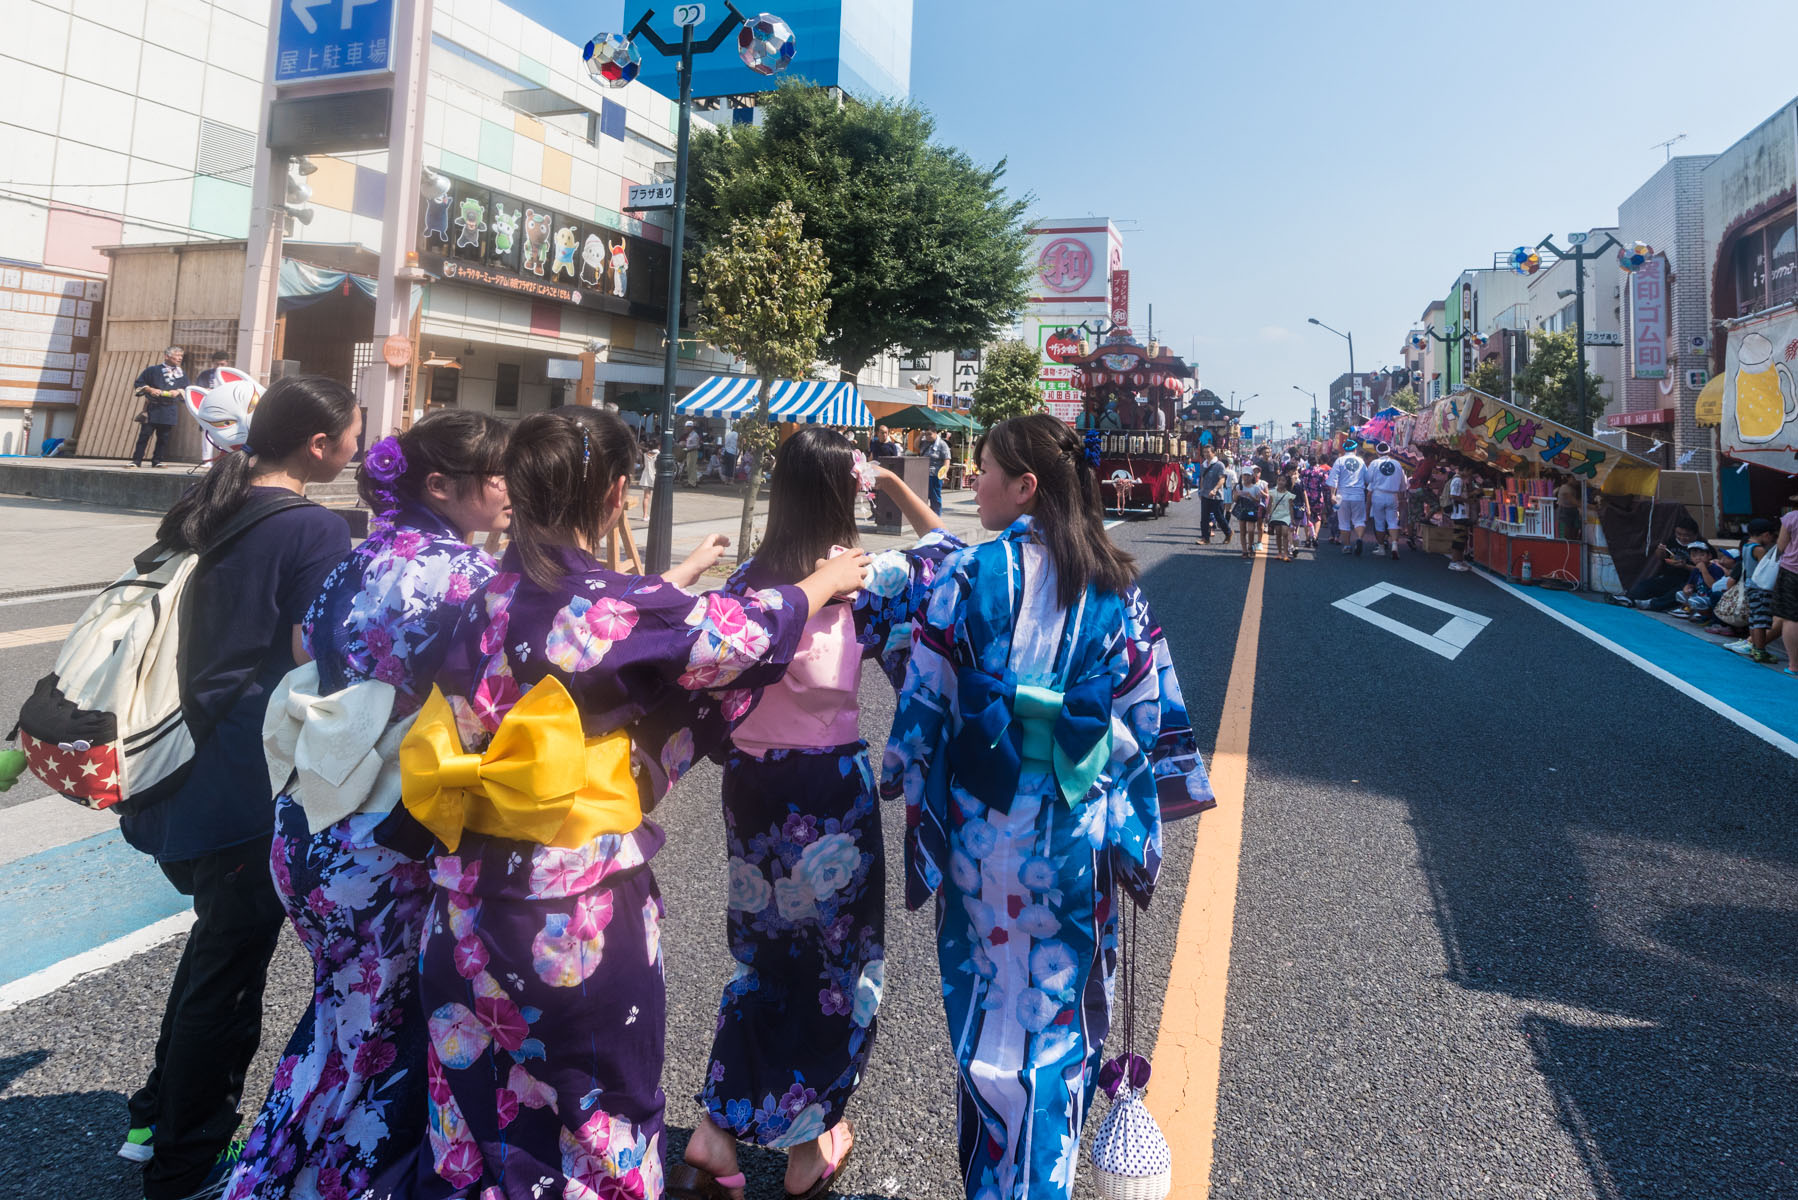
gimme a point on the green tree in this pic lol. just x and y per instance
(1007, 384)
(1488, 377)
(1548, 380)
(926, 249)
(762, 298)
(1404, 400)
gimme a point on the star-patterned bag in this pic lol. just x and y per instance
(106, 726)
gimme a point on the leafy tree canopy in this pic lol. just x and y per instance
(762, 298)
(1007, 384)
(926, 249)
(1405, 400)
(1549, 379)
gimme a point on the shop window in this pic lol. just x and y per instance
(1782, 261)
(446, 382)
(1764, 261)
(914, 360)
(505, 389)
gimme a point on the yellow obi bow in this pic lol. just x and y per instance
(540, 779)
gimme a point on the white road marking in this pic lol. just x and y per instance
(1448, 641)
(57, 975)
(1772, 737)
(48, 822)
(1113, 524)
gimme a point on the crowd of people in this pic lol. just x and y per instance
(441, 771)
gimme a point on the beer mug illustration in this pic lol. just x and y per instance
(1766, 397)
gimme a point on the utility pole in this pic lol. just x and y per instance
(1450, 340)
(1580, 256)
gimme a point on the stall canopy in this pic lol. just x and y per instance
(1487, 430)
(800, 401)
(922, 416)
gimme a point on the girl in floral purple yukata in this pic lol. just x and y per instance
(573, 698)
(807, 912)
(346, 1113)
(1039, 744)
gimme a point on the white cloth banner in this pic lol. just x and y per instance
(1760, 393)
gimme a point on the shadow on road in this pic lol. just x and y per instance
(1669, 914)
(61, 1137)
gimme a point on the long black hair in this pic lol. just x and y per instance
(811, 506)
(560, 467)
(290, 414)
(465, 447)
(1069, 512)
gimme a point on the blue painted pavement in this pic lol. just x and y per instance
(1761, 692)
(62, 902)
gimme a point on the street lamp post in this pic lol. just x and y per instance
(1351, 345)
(1301, 391)
(1580, 256)
(659, 552)
(1453, 339)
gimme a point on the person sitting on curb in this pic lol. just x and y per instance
(1675, 569)
(1694, 600)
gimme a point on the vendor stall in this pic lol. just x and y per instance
(1517, 524)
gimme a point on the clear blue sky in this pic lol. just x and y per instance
(1285, 159)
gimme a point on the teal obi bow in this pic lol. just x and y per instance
(1011, 729)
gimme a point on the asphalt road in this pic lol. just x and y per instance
(1518, 923)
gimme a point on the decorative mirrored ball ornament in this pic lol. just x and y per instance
(1632, 256)
(612, 61)
(766, 44)
(1525, 261)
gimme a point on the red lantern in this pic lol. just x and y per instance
(1139, 379)
(1079, 379)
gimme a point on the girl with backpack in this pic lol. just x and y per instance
(1251, 510)
(572, 699)
(345, 862)
(1039, 744)
(806, 921)
(212, 834)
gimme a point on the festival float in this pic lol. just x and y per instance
(1132, 399)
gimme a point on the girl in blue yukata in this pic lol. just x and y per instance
(346, 1111)
(807, 911)
(1040, 743)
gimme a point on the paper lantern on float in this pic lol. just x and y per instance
(766, 44)
(1078, 379)
(1525, 261)
(612, 61)
(1632, 256)
(1138, 378)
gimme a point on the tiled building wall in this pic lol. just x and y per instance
(113, 105)
(1667, 212)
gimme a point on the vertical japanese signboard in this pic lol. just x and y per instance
(1648, 318)
(1120, 298)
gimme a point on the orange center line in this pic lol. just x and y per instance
(1188, 1049)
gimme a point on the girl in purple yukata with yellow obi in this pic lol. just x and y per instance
(1039, 744)
(807, 906)
(572, 699)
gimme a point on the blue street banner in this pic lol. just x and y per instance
(334, 39)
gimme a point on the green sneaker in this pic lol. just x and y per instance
(137, 1146)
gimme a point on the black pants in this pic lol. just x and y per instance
(1212, 510)
(1660, 584)
(213, 1021)
(144, 431)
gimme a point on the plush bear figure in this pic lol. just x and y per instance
(437, 210)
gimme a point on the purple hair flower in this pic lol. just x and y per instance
(385, 461)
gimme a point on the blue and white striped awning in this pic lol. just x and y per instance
(802, 401)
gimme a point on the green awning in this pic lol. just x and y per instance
(922, 416)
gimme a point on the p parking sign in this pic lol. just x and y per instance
(333, 39)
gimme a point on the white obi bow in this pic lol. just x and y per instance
(338, 750)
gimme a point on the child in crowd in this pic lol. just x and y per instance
(1694, 600)
(1250, 509)
(573, 697)
(807, 904)
(1756, 546)
(212, 836)
(1280, 516)
(348, 1101)
(1039, 744)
